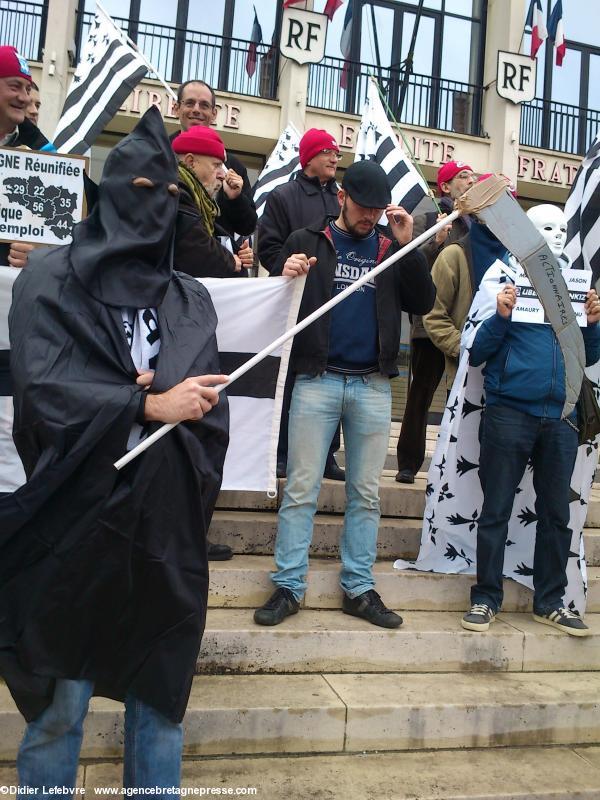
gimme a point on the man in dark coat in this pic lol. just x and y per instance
(103, 574)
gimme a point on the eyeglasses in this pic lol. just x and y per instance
(331, 153)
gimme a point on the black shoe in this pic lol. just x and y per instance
(280, 605)
(281, 469)
(405, 476)
(219, 552)
(478, 618)
(564, 620)
(370, 606)
(333, 471)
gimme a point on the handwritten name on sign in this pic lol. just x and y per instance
(41, 196)
(529, 308)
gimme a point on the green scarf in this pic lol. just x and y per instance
(207, 207)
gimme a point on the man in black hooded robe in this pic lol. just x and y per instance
(103, 574)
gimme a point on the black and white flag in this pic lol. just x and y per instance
(377, 141)
(251, 314)
(108, 71)
(281, 166)
(583, 214)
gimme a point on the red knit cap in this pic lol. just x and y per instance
(313, 141)
(450, 170)
(201, 141)
(12, 64)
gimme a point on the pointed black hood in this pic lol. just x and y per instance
(123, 252)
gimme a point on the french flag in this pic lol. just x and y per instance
(255, 40)
(557, 33)
(331, 7)
(535, 19)
(346, 44)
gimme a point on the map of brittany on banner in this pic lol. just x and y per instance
(41, 196)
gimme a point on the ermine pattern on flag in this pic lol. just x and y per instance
(582, 210)
(281, 166)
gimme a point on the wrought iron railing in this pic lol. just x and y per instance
(180, 55)
(429, 101)
(24, 26)
(558, 126)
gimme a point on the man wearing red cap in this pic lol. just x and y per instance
(289, 207)
(427, 361)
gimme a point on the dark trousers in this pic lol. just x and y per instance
(509, 438)
(427, 367)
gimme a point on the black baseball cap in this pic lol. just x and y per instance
(367, 184)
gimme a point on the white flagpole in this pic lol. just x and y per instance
(299, 327)
(143, 58)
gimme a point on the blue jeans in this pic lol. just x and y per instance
(49, 753)
(509, 438)
(363, 405)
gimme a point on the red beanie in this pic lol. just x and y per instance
(201, 141)
(450, 170)
(313, 141)
(12, 64)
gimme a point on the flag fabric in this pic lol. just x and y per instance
(288, 3)
(251, 315)
(582, 210)
(376, 141)
(331, 7)
(255, 40)
(556, 32)
(281, 166)
(535, 20)
(453, 494)
(346, 44)
(108, 71)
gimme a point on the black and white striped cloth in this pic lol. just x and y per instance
(377, 141)
(583, 214)
(108, 71)
(281, 166)
(252, 314)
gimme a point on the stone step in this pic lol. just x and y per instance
(262, 714)
(533, 773)
(244, 582)
(254, 532)
(330, 641)
(397, 500)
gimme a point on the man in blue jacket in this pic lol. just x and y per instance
(525, 394)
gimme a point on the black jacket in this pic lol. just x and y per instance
(405, 286)
(296, 204)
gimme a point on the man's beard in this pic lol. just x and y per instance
(351, 229)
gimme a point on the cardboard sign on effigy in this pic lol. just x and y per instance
(41, 196)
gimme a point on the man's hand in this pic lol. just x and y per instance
(233, 184)
(19, 253)
(506, 300)
(246, 255)
(298, 264)
(592, 307)
(400, 222)
(442, 234)
(189, 400)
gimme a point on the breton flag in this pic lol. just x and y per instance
(535, 20)
(255, 40)
(346, 44)
(377, 141)
(281, 166)
(556, 32)
(251, 315)
(108, 71)
(582, 210)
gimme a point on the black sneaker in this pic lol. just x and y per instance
(478, 618)
(564, 620)
(405, 476)
(219, 552)
(370, 606)
(280, 605)
(333, 471)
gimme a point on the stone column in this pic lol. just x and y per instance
(55, 81)
(501, 118)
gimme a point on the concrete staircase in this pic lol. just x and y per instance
(327, 706)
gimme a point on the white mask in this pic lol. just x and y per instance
(552, 224)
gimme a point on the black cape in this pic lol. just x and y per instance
(103, 574)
